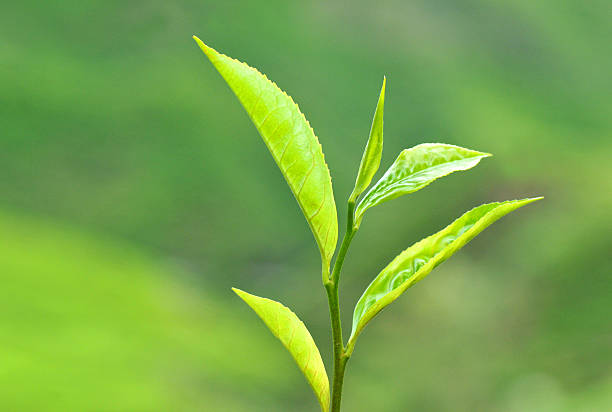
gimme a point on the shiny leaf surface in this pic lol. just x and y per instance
(414, 169)
(292, 142)
(294, 336)
(372, 154)
(420, 259)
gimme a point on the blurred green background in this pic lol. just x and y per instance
(135, 192)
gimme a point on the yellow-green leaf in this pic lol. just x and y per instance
(292, 142)
(373, 151)
(292, 332)
(414, 169)
(416, 262)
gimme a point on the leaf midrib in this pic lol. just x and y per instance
(385, 188)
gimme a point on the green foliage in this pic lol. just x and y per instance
(114, 126)
(298, 154)
(370, 162)
(414, 169)
(416, 262)
(291, 141)
(291, 331)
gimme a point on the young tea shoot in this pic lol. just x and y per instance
(297, 152)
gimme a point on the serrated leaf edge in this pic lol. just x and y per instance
(322, 244)
(360, 211)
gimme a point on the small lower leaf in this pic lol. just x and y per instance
(294, 336)
(416, 262)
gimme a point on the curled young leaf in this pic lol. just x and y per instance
(373, 151)
(414, 263)
(289, 329)
(414, 169)
(292, 142)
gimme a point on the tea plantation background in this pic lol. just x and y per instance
(134, 192)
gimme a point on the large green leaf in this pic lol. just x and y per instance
(373, 151)
(414, 169)
(414, 263)
(290, 330)
(291, 141)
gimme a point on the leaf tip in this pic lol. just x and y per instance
(381, 99)
(524, 202)
(533, 199)
(239, 292)
(206, 49)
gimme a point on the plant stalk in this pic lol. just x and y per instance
(340, 356)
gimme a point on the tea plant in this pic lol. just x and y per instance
(298, 154)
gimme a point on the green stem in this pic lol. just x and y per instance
(340, 356)
(346, 241)
(334, 310)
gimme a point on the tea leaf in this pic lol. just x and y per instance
(292, 142)
(417, 261)
(372, 154)
(414, 169)
(290, 330)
